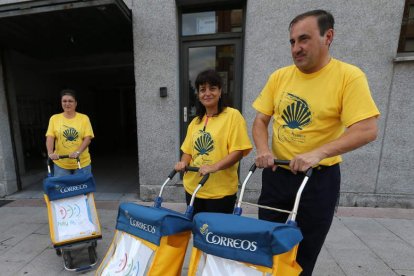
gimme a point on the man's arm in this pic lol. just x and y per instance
(264, 156)
(357, 135)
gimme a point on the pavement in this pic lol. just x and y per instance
(362, 240)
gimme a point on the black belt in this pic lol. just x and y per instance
(319, 168)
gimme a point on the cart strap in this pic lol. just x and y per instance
(243, 239)
(68, 185)
(150, 223)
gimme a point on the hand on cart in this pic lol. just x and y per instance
(180, 166)
(305, 161)
(300, 163)
(73, 155)
(55, 156)
(203, 170)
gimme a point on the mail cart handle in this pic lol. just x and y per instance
(50, 163)
(190, 169)
(158, 200)
(190, 210)
(293, 213)
(278, 162)
(196, 169)
(187, 168)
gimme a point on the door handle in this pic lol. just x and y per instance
(185, 114)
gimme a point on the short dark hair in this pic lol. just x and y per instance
(325, 19)
(211, 77)
(68, 92)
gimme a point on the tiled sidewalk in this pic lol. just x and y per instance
(362, 241)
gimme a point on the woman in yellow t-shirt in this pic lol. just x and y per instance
(69, 133)
(216, 141)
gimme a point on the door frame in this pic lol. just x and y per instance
(209, 41)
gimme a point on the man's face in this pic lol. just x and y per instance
(310, 50)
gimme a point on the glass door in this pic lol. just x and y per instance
(222, 55)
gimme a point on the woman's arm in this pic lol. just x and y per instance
(85, 143)
(50, 146)
(185, 160)
(225, 163)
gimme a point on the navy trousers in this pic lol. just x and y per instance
(316, 208)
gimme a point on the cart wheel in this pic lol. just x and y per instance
(59, 252)
(92, 254)
(67, 258)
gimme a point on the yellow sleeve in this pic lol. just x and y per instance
(357, 102)
(51, 127)
(239, 138)
(264, 102)
(187, 146)
(88, 127)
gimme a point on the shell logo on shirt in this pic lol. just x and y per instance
(204, 145)
(70, 136)
(296, 115)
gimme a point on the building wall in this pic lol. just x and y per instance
(395, 175)
(367, 34)
(156, 65)
(8, 182)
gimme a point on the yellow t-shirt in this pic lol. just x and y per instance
(69, 134)
(223, 134)
(310, 110)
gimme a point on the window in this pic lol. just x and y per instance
(212, 22)
(406, 43)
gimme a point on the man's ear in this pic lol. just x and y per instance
(329, 36)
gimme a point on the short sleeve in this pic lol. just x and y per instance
(238, 136)
(88, 127)
(187, 145)
(51, 128)
(357, 102)
(264, 102)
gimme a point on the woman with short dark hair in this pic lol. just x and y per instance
(69, 133)
(216, 141)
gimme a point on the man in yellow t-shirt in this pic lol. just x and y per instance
(321, 108)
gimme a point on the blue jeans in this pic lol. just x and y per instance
(58, 171)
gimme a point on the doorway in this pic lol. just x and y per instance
(224, 56)
(210, 40)
(85, 46)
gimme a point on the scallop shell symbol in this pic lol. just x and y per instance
(204, 143)
(204, 229)
(296, 115)
(70, 134)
